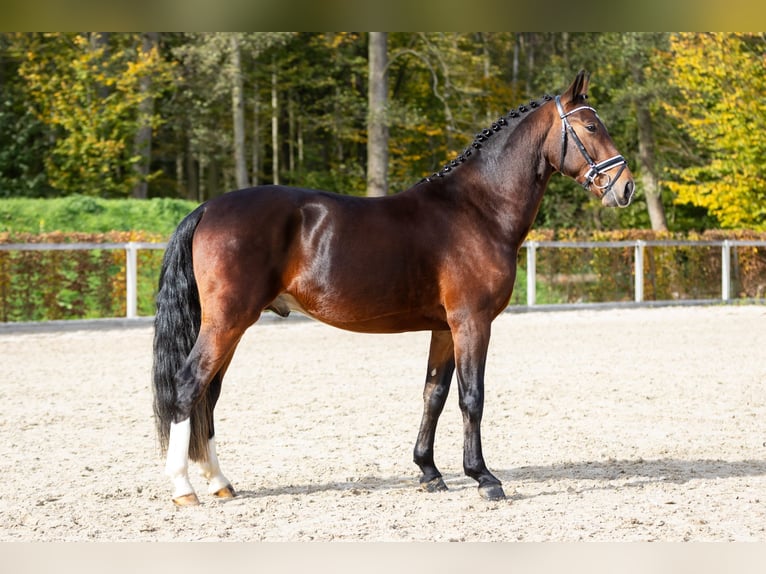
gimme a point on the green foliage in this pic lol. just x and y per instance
(89, 96)
(79, 213)
(22, 150)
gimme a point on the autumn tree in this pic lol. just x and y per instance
(89, 93)
(721, 80)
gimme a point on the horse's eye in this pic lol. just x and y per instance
(591, 128)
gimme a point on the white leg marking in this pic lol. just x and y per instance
(212, 471)
(177, 463)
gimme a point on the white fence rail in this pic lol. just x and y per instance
(531, 247)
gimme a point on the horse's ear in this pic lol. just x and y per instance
(578, 88)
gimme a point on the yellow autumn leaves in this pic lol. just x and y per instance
(721, 79)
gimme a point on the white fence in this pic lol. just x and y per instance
(131, 262)
(638, 259)
(531, 247)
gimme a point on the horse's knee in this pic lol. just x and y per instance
(435, 396)
(472, 407)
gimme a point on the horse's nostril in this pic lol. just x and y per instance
(630, 187)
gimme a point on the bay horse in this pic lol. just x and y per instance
(440, 256)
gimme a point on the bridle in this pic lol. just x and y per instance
(596, 169)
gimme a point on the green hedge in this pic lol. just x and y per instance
(46, 285)
(82, 284)
(79, 213)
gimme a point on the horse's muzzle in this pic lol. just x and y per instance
(619, 195)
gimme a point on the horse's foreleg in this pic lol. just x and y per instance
(441, 366)
(471, 340)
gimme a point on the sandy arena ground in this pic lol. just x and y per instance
(609, 425)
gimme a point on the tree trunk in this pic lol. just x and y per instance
(143, 139)
(290, 137)
(256, 136)
(238, 114)
(192, 172)
(530, 45)
(180, 189)
(648, 177)
(377, 122)
(299, 136)
(646, 163)
(515, 73)
(274, 125)
(486, 60)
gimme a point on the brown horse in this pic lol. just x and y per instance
(440, 256)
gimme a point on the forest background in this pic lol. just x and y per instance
(192, 115)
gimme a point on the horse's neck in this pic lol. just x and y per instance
(509, 182)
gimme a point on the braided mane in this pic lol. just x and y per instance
(508, 121)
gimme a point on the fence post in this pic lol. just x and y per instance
(531, 273)
(131, 279)
(638, 268)
(726, 270)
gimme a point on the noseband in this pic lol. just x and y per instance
(596, 169)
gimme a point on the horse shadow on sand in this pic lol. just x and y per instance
(607, 474)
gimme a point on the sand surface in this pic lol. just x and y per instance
(609, 425)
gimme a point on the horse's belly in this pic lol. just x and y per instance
(395, 321)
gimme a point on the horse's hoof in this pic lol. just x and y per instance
(492, 492)
(225, 493)
(434, 485)
(186, 500)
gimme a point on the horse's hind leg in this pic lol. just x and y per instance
(211, 353)
(441, 366)
(177, 463)
(218, 485)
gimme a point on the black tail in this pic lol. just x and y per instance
(176, 326)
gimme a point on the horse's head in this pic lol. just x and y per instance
(582, 149)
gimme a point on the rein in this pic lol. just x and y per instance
(596, 169)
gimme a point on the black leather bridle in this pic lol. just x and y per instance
(596, 169)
